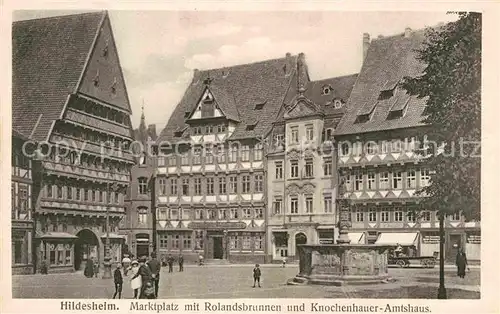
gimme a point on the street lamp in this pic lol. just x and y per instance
(442, 288)
(107, 257)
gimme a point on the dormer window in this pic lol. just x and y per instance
(251, 127)
(387, 90)
(178, 134)
(326, 90)
(260, 105)
(337, 103)
(398, 109)
(365, 114)
(186, 114)
(386, 94)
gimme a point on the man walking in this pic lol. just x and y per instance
(170, 262)
(155, 267)
(181, 262)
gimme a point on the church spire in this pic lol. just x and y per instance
(143, 131)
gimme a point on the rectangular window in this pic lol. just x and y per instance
(161, 161)
(59, 191)
(233, 154)
(259, 183)
(234, 242)
(197, 186)
(174, 214)
(101, 196)
(221, 154)
(163, 241)
(221, 128)
(209, 129)
(410, 216)
(70, 192)
(245, 153)
(198, 240)
(142, 217)
(309, 168)
(257, 152)
(294, 169)
(348, 183)
(328, 204)
(371, 180)
(279, 169)
(247, 241)
(143, 186)
(309, 132)
(360, 217)
(162, 183)
(384, 216)
(258, 243)
(50, 191)
(117, 197)
(172, 160)
(454, 217)
(233, 185)
(398, 215)
(222, 185)
(185, 186)
(245, 184)
(372, 215)
(209, 155)
(94, 198)
(358, 181)
(294, 205)
(210, 186)
(386, 147)
(78, 194)
(277, 205)
(411, 179)
(247, 213)
(176, 242)
(222, 214)
(258, 213)
(384, 180)
(197, 155)
(234, 213)
(327, 167)
(279, 140)
(187, 242)
(85, 194)
(199, 214)
(173, 186)
(425, 177)
(309, 204)
(185, 159)
(294, 138)
(426, 216)
(212, 214)
(397, 179)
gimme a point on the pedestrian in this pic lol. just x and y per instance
(117, 276)
(256, 275)
(155, 267)
(147, 288)
(135, 279)
(96, 267)
(284, 261)
(89, 268)
(126, 264)
(200, 260)
(181, 262)
(170, 261)
(461, 263)
(398, 250)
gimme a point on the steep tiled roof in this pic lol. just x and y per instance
(246, 85)
(340, 89)
(48, 58)
(388, 60)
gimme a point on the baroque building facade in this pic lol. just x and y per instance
(378, 139)
(69, 96)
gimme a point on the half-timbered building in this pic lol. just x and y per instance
(69, 96)
(377, 139)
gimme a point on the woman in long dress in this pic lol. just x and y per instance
(461, 263)
(89, 268)
(135, 279)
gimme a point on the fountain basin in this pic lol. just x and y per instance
(341, 264)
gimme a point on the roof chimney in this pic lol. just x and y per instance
(366, 44)
(407, 32)
(302, 75)
(196, 76)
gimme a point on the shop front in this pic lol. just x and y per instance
(57, 251)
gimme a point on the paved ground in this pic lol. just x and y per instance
(234, 281)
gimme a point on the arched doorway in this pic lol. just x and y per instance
(300, 238)
(86, 246)
(142, 248)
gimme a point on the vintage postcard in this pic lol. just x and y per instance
(313, 157)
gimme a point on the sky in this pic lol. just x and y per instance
(159, 49)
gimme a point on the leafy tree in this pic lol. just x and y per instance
(451, 83)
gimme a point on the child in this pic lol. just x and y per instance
(284, 262)
(256, 275)
(118, 281)
(135, 279)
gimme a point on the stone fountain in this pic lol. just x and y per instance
(342, 263)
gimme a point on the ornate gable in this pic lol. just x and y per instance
(207, 107)
(302, 107)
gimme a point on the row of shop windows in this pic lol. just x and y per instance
(236, 241)
(59, 254)
(381, 147)
(408, 179)
(209, 185)
(82, 194)
(395, 214)
(211, 153)
(211, 214)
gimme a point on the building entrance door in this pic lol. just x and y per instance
(455, 245)
(218, 250)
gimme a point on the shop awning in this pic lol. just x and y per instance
(357, 237)
(394, 238)
(56, 235)
(113, 236)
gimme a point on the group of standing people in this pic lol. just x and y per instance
(144, 277)
(170, 262)
(91, 268)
